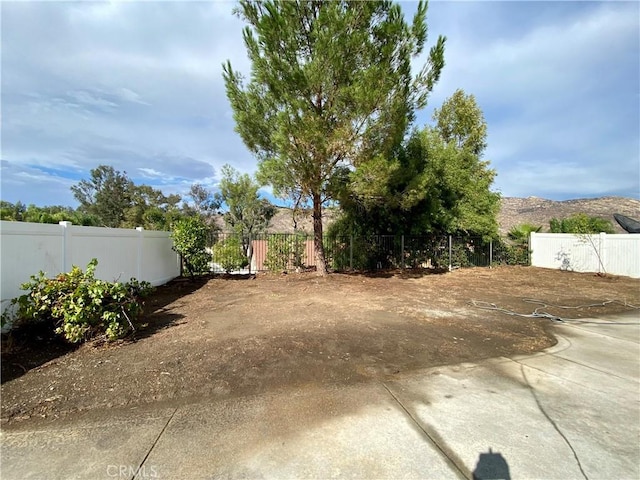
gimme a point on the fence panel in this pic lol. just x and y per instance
(617, 254)
(277, 252)
(622, 255)
(159, 262)
(27, 248)
(116, 250)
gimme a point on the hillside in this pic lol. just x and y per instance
(538, 211)
(514, 211)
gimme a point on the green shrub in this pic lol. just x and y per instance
(190, 241)
(510, 252)
(79, 306)
(285, 251)
(229, 255)
(580, 223)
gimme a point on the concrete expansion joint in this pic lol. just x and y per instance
(552, 422)
(154, 443)
(561, 377)
(590, 367)
(454, 463)
(604, 335)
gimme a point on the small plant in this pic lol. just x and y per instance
(79, 306)
(228, 254)
(190, 241)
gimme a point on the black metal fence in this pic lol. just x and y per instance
(287, 252)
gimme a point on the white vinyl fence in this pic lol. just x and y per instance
(27, 248)
(615, 254)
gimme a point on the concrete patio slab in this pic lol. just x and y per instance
(107, 448)
(354, 432)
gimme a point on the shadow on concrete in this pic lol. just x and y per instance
(491, 466)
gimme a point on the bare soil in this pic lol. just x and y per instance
(225, 337)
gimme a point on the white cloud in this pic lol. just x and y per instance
(561, 91)
(139, 86)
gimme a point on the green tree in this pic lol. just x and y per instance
(106, 195)
(436, 182)
(47, 214)
(519, 234)
(151, 209)
(580, 223)
(247, 214)
(202, 202)
(190, 237)
(13, 212)
(461, 121)
(331, 86)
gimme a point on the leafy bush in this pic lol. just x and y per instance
(190, 241)
(580, 223)
(510, 252)
(285, 251)
(79, 306)
(520, 234)
(229, 255)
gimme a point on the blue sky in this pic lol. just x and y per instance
(138, 85)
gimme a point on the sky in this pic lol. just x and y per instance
(138, 85)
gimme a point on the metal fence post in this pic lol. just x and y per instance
(250, 252)
(402, 252)
(351, 252)
(490, 253)
(450, 265)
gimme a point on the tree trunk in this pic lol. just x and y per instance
(318, 245)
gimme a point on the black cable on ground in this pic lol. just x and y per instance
(539, 313)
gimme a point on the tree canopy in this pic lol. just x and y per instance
(112, 199)
(19, 212)
(580, 223)
(247, 214)
(331, 87)
(435, 182)
(106, 195)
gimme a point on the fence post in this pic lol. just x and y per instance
(351, 252)
(250, 253)
(140, 231)
(450, 265)
(402, 252)
(66, 246)
(490, 253)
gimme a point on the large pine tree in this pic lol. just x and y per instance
(331, 86)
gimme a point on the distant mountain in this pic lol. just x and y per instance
(283, 222)
(538, 211)
(513, 211)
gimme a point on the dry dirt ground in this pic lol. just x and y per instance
(228, 337)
